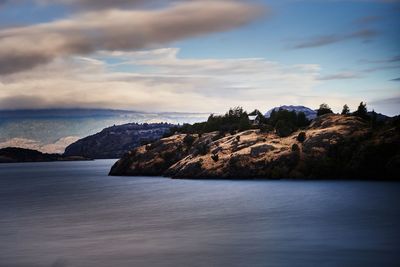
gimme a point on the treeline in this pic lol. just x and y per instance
(361, 112)
(284, 122)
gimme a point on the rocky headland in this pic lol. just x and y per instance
(331, 147)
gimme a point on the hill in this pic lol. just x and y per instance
(115, 141)
(16, 154)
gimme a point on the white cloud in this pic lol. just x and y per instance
(161, 81)
(23, 48)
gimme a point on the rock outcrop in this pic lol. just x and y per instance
(334, 147)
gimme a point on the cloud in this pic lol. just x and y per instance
(393, 59)
(319, 41)
(387, 101)
(159, 80)
(10, 102)
(380, 68)
(396, 80)
(369, 19)
(340, 76)
(103, 4)
(115, 29)
(95, 4)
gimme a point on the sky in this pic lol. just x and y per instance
(199, 55)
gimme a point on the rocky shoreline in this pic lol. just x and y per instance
(333, 146)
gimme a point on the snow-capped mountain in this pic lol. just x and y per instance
(310, 114)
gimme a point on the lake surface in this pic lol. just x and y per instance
(72, 214)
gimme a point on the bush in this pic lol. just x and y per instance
(324, 109)
(202, 149)
(301, 137)
(362, 111)
(265, 128)
(168, 134)
(283, 128)
(215, 157)
(189, 140)
(218, 136)
(345, 110)
(295, 148)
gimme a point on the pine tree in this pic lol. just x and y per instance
(362, 111)
(324, 109)
(345, 110)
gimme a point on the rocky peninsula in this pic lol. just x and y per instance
(331, 147)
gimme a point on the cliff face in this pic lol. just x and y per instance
(334, 146)
(115, 141)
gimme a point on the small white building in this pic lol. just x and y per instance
(254, 119)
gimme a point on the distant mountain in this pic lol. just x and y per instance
(16, 154)
(115, 141)
(310, 114)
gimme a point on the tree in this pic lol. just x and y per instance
(362, 111)
(345, 110)
(302, 120)
(324, 109)
(283, 128)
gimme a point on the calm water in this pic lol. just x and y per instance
(72, 214)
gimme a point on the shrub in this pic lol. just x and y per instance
(345, 110)
(324, 109)
(301, 137)
(153, 145)
(362, 111)
(295, 148)
(265, 128)
(302, 120)
(218, 136)
(233, 161)
(202, 149)
(283, 128)
(215, 157)
(168, 134)
(189, 140)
